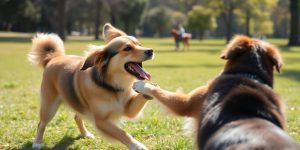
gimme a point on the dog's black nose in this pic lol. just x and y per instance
(149, 52)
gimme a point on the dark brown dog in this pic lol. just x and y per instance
(238, 110)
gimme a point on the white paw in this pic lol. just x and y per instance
(89, 135)
(37, 146)
(138, 146)
(142, 87)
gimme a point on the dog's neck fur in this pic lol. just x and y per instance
(251, 76)
(100, 80)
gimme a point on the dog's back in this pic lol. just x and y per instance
(250, 134)
(242, 114)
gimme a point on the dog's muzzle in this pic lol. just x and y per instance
(148, 53)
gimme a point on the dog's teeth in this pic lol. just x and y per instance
(131, 68)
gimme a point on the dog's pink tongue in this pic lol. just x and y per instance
(140, 71)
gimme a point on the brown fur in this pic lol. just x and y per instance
(73, 79)
(233, 109)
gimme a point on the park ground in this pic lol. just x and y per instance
(20, 81)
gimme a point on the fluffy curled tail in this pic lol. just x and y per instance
(44, 48)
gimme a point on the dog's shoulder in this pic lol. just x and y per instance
(232, 98)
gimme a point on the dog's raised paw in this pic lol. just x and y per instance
(37, 146)
(138, 86)
(142, 87)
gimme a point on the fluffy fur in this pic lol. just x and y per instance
(97, 87)
(238, 109)
(44, 48)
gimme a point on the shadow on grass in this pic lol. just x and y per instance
(292, 74)
(185, 66)
(194, 43)
(289, 49)
(188, 51)
(64, 143)
(15, 39)
(28, 39)
(293, 60)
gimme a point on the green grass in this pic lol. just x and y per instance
(20, 81)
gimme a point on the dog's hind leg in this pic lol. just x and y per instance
(83, 130)
(49, 104)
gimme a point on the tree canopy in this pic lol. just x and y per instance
(223, 18)
(201, 19)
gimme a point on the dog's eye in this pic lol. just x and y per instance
(127, 48)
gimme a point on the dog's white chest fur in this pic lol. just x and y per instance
(113, 108)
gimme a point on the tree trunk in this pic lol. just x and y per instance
(61, 18)
(160, 32)
(113, 18)
(201, 34)
(294, 23)
(97, 20)
(227, 20)
(247, 32)
(126, 25)
(69, 27)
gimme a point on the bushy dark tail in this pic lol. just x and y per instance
(44, 48)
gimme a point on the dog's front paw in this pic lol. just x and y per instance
(142, 87)
(37, 146)
(138, 146)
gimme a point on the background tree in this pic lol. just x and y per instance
(262, 26)
(61, 26)
(97, 18)
(179, 18)
(294, 29)
(131, 16)
(153, 17)
(115, 8)
(225, 8)
(201, 19)
(81, 16)
(53, 14)
(281, 19)
(25, 19)
(159, 20)
(246, 14)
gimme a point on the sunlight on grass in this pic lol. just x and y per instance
(20, 81)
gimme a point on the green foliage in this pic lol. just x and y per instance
(131, 16)
(259, 18)
(160, 20)
(178, 18)
(224, 7)
(201, 19)
(23, 14)
(281, 17)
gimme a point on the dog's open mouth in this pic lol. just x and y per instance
(136, 70)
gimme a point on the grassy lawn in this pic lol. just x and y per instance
(20, 81)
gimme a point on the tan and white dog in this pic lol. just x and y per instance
(98, 87)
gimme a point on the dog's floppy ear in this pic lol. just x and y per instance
(110, 32)
(93, 57)
(274, 55)
(238, 45)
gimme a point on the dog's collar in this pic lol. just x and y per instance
(252, 77)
